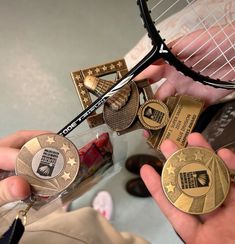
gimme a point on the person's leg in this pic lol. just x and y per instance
(136, 186)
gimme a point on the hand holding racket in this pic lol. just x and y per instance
(200, 53)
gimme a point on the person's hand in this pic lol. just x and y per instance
(214, 227)
(15, 187)
(177, 83)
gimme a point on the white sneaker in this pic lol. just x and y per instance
(103, 203)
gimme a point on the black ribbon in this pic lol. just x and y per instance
(14, 233)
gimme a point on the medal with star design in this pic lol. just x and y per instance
(195, 180)
(49, 162)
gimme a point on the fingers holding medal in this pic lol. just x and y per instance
(49, 162)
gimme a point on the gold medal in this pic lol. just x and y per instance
(195, 180)
(153, 114)
(49, 162)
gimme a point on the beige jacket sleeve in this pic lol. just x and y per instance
(85, 226)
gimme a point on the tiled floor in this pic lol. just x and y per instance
(41, 42)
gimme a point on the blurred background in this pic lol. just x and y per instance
(41, 43)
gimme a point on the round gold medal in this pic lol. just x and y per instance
(49, 163)
(195, 180)
(153, 114)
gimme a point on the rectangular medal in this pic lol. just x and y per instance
(182, 120)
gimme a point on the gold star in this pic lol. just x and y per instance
(83, 92)
(90, 72)
(97, 70)
(104, 68)
(198, 155)
(71, 161)
(170, 188)
(66, 176)
(119, 64)
(85, 100)
(170, 169)
(80, 84)
(182, 157)
(50, 140)
(65, 147)
(112, 66)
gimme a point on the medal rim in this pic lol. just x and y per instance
(176, 185)
(28, 144)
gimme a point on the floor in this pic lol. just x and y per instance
(41, 42)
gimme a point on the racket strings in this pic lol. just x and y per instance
(165, 6)
(165, 11)
(204, 44)
(226, 53)
(194, 28)
(222, 29)
(201, 35)
(221, 67)
(211, 49)
(212, 38)
(211, 52)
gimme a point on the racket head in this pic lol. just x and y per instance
(203, 46)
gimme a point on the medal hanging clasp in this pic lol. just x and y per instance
(22, 214)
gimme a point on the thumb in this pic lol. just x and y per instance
(12, 189)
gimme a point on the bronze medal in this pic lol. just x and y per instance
(49, 163)
(195, 180)
(153, 114)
